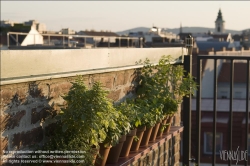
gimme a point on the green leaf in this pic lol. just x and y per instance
(83, 118)
(64, 127)
(137, 123)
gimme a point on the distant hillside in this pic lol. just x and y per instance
(177, 30)
(143, 29)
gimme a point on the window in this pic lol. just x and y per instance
(237, 95)
(218, 29)
(223, 94)
(208, 142)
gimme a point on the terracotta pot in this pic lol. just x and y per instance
(139, 133)
(95, 153)
(154, 132)
(146, 136)
(115, 151)
(161, 130)
(128, 143)
(104, 152)
(169, 122)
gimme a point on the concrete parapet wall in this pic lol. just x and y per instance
(32, 65)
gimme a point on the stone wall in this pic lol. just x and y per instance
(27, 109)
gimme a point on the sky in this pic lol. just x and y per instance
(122, 15)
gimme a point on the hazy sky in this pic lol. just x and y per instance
(122, 15)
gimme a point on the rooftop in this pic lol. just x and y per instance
(217, 45)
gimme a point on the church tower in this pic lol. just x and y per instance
(219, 23)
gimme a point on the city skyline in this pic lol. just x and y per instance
(119, 16)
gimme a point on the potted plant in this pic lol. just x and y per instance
(87, 120)
(181, 86)
(170, 108)
(123, 128)
(69, 140)
(164, 83)
(149, 91)
(151, 116)
(150, 113)
(128, 108)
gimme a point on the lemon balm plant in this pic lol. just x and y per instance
(180, 85)
(164, 83)
(122, 128)
(130, 110)
(69, 140)
(152, 112)
(89, 112)
(94, 116)
(88, 119)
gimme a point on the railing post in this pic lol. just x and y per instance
(198, 111)
(247, 111)
(187, 105)
(187, 115)
(214, 113)
(230, 133)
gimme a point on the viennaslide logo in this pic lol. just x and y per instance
(236, 155)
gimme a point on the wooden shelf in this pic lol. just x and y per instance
(133, 156)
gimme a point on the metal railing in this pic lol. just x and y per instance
(138, 40)
(187, 111)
